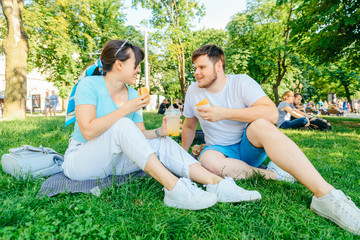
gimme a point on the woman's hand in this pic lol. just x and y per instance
(163, 131)
(138, 103)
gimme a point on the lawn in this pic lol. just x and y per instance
(136, 210)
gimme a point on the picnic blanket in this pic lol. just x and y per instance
(59, 183)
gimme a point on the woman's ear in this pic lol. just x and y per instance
(118, 65)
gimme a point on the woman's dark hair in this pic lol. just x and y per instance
(214, 53)
(119, 48)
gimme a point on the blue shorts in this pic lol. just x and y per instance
(243, 151)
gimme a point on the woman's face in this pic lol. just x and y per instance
(290, 98)
(129, 72)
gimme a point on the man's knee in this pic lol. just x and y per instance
(261, 125)
(210, 163)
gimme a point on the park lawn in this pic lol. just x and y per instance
(136, 210)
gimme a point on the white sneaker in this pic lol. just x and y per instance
(227, 191)
(187, 195)
(281, 175)
(338, 208)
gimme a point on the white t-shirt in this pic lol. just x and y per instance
(240, 91)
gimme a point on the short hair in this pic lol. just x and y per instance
(108, 57)
(214, 53)
(286, 94)
(297, 94)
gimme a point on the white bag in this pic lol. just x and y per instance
(28, 161)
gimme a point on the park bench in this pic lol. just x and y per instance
(335, 112)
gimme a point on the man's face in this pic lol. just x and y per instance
(297, 100)
(205, 72)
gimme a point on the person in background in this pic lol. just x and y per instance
(240, 133)
(286, 112)
(297, 102)
(54, 101)
(110, 138)
(163, 106)
(47, 106)
(177, 104)
(320, 103)
(345, 106)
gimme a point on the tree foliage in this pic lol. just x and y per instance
(173, 19)
(328, 30)
(66, 36)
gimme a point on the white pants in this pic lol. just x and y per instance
(122, 149)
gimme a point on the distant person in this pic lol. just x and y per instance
(54, 101)
(177, 104)
(345, 106)
(356, 107)
(320, 103)
(297, 102)
(285, 113)
(47, 107)
(163, 106)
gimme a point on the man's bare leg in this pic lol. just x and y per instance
(287, 155)
(217, 163)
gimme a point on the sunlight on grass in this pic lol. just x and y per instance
(136, 210)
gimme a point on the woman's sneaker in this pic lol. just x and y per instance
(227, 191)
(187, 195)
(281, 175)
(338, 208)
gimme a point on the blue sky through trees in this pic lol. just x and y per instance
(218, 13)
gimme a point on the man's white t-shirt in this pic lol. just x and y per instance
(240, 91)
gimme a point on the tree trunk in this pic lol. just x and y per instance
(348, 97)
(281, 73)
(15, 46)
(181, 70)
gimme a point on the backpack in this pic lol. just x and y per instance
(319, 124)
(29, 162)
(94, 69)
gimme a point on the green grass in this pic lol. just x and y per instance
(136, 210)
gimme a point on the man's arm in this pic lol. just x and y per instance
(262, 108)
(188, 132)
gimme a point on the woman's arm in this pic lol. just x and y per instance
(91, 127)
(292, 112)
(158, 132)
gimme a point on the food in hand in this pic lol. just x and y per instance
(202, 102)
(142, 91)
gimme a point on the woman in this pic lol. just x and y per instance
(47, 107)
(110, 138)
(285, 113)
(54, 101)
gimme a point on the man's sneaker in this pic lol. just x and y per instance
(187, 195)
(227, 191)
(281, 175)
(338, 208)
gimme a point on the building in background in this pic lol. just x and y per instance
(37, 86)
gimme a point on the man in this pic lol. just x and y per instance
(239, 124)
(297, 104)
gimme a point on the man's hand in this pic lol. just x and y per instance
(308, 124)
(212, 114)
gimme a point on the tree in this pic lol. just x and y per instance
(328, 30)
(15, 67)
(173, 18)
(259, 42)
(66, 36)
